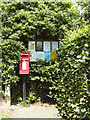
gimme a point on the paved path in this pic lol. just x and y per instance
(35, 111)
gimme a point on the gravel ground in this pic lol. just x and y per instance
(37, 110)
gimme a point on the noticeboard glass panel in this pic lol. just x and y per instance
(31, 45)
(54, 45)
(39, 46)
(47, 56)
(46, 45)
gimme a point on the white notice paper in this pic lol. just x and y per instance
(32, 55)
(46, 46)
(40, 56)
(54, 45)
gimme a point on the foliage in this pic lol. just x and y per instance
(24, 21)
(17, 94)
(37, 20)
(67, 80)
(10, 57)
(73, 98)
(31, 98)
(20, 100)
(85, 5)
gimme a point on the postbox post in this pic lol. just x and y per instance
(24, 70)
(24, 90)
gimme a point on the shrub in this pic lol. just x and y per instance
(73, 97)
(11, 50)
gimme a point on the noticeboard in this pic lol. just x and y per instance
(43, 50)
(45, 56)
(54, 45)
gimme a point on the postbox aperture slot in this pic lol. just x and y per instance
(24, 59)
(24, 54)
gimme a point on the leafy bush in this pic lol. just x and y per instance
(67, 80)
(20, 100)
(44, 75)
(11, 51)
(73, 97)
(25, 21)
(31, 98)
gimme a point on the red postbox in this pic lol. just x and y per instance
(24, 63)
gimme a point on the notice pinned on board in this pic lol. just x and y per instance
(47, 56)
(39, 45)
(31, 45)
(58, 54)
(46, 45)
(53, 55)
(54, 45)
(32, 56)
(40, 56)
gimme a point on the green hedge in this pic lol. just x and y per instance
(74, 95)
(24, 21)
(67, 80)
(11, 51)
